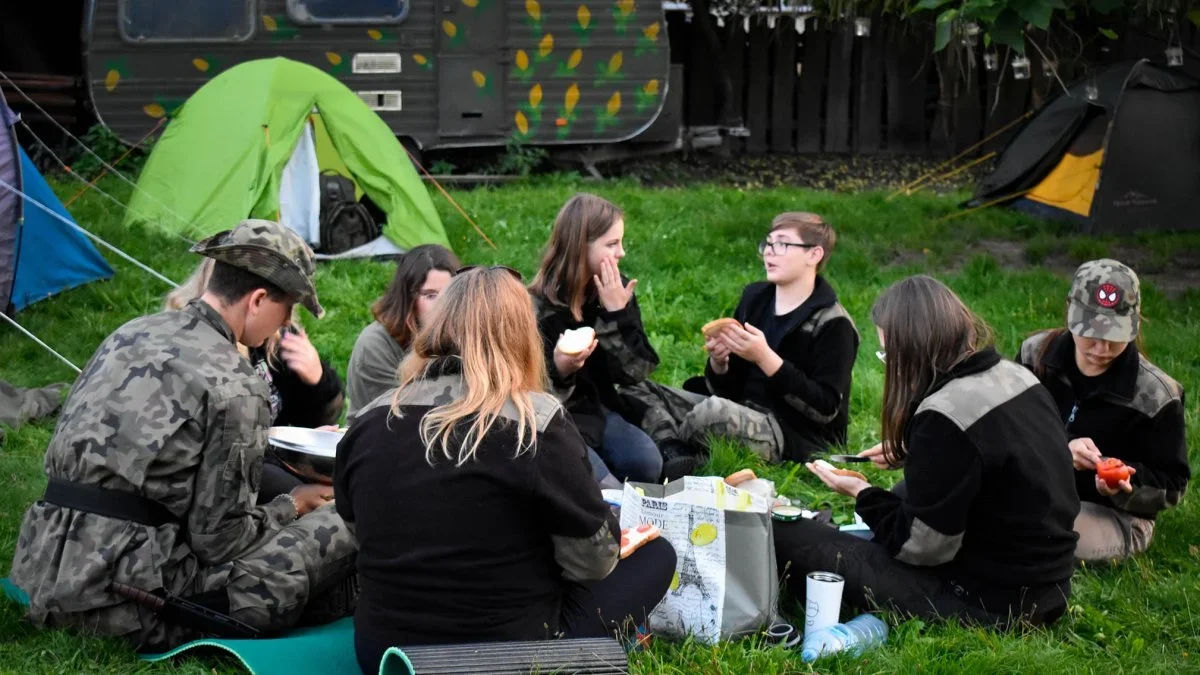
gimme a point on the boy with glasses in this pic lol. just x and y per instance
(779, 379)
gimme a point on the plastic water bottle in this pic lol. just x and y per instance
(855, 636)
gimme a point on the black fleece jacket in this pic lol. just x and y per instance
(1133, 412)
(623, 357)
(989, 504)
(296, 403)
(810, 394)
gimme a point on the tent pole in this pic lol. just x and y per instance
(45, 346)
(98, 240)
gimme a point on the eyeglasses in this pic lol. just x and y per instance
(780, 247)
(515, 274)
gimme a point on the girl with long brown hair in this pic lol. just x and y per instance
(421, 275)
(1114, 403)
(471, 494)
(980, 529)
(579, 284)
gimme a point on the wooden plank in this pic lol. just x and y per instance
(1007, 99)
(809, 93)
(783, 100)
(735, 62)
(906, 73)
(841, 70)
(758, 88)
(868, 100)
(699, 100)
(968, 105)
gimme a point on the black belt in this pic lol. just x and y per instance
(105, 502)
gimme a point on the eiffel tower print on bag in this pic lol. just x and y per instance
(345, 222)
(725, 583)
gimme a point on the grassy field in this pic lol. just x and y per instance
(693, 250)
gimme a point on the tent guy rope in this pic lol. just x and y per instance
(35, 338)
(146, 268)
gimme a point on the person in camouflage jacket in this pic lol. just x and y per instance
(1114, 403)
(155, 464)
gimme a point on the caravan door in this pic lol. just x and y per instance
(472, 69)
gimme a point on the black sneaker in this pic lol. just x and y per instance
(680, 459)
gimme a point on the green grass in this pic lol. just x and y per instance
(692, 251)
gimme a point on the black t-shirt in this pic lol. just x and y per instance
(462, 554)
(775, 327)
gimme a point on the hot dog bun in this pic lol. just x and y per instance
(713, 327)
(740, 477)
(576, 341)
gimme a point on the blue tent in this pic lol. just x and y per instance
(40, 255)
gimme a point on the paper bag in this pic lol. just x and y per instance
(725, 583)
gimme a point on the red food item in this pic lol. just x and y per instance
(1112, 471)
(632, 540)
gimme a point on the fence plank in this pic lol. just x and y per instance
(868, 103)
(908, 51)
(841, 69)
(701, 106)
(735, 62)
(1007, 99)
(968, 106)
(783, 100)
(758, 88)
(813, 71)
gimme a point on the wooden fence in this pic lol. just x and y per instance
(827, 90)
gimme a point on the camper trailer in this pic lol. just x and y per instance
(446, 74)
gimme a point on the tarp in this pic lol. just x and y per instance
(39, 254)
(222, 156)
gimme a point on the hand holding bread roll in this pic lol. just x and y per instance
(573, 349)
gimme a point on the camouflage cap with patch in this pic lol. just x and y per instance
(271, 251)
(1104, 301)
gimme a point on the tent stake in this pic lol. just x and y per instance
(45, 346)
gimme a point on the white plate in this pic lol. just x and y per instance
(300, 439)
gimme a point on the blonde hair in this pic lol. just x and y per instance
(486, 321)
(195, 286)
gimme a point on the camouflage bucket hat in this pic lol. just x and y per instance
(271, 251)
(1104, 301)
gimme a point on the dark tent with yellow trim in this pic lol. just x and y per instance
(1118, 152)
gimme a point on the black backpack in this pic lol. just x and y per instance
(345, 223)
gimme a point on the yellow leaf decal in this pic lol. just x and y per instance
(522, 60)
(651, 31)
(449, 27)
(333, 57)
(471, 3)
(522, 123)
(614, 104)
(546, 45)
(614, 64)
(576, 57)
(480, 78)
(704, 534)
(535, 95)
(675, 581)
(374, 34)
(584, 16)
(651, 87)
(626, 7)
(534, 9)
(571, 98)
(201, 65)
(111, 79)
(420, 59)
(269, 23)
(155, 110)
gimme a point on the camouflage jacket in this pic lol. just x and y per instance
(1134, 412)
(168, 409)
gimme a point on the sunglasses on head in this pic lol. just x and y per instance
(515, 274)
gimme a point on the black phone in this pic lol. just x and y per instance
(849, 459)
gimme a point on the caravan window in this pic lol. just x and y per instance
(348, 11)
(186, 20)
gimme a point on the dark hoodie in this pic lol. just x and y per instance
(810, 394)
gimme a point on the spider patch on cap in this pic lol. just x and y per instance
(1108, 295)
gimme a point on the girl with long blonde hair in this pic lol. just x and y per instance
(579, 284)
(980, 528)
(471, 495)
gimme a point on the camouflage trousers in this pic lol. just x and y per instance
(268, 587)
(692, 418)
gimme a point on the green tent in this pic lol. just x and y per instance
(229, 151)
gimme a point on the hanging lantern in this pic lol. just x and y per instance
(1048, 68)
(1174, 56)
(1020, 67)
(1092, 91)
(991, 61)
(970, 36)
(862, 27)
